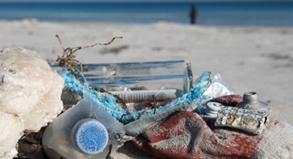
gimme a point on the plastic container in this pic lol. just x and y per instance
(251, 101)
(135, 76)
(138, 84)
(84, 131)
(212, 109)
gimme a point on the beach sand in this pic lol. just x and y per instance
(248, 58)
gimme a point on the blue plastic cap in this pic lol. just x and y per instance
(89, 136)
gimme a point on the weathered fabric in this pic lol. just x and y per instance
(186, 135)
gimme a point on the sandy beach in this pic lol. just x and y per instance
(256, 59)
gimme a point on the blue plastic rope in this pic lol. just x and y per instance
(108, 103)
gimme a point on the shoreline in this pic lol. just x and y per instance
(36, 20)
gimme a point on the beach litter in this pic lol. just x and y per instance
(85, 131)
(203, 119)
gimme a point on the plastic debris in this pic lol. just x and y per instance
(89, 136)
(108, 103)
(158, 130)
(212, 109)
(84, 131)
(251, 101)
(244, 119)
(217, 88)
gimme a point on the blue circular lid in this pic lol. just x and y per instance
(89, 136)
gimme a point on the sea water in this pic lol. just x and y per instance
(274, 13)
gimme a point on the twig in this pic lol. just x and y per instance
(68, 60)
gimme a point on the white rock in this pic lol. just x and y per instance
(11, 128)
(30, 95)
(10, 154)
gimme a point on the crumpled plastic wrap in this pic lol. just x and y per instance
(218, 88)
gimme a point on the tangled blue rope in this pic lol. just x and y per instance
(108, 103)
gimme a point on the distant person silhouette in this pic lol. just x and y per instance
(193, 14)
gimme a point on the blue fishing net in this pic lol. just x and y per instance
(124, 115)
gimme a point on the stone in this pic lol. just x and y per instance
(30, 95)
(11, 130)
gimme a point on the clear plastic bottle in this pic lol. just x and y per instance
(84, 131)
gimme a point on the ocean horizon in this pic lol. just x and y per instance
(207, 13)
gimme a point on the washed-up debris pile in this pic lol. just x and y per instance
(153, 105)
